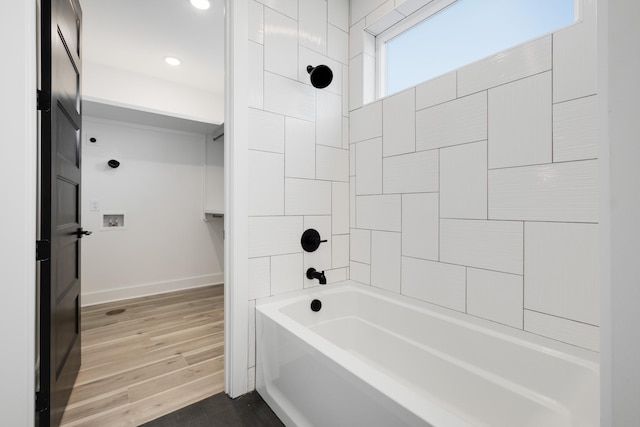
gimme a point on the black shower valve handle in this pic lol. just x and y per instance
(310, 240)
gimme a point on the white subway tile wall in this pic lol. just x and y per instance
(399, 123)
(280, 48)
(495, 296)
(361, 8)
(369, 70)
(266, 183)
(455, 122)
(575, 58)
(361, 246)
(566, 191)
(340, 207)
(562, 270)
(382, 13)
(299, 162)
(569, 331)
(383, 17)
(483, 181)
(366, 122)
(420, 225)
(256, 22)
(360, 273)
(492, 245)
(337, 275)
(407, 7)
(352, 201)
(268, 134)
(300, 148)
(522, 61)
(463, 186)
(368, 166)
(307, 197)
(434, 282)
(436, 91)
(411, 173)
(379, 212)
(329, 119)
(287, 7)
(312, 25)
(274, 235)
(575, 130)
(332, 164)
(356, 90)
(255, 75)
(340, 251)
(385, 260)
(299, 101)
(286, 273)
(520, 122)
(259, 277)
(339, 14)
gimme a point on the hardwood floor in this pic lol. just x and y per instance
(162, 353)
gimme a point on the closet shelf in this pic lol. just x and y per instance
(214, 213)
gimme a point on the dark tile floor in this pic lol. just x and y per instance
(221, 411)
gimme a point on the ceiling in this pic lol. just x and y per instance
(136, 36)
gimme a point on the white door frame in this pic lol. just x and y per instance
(236, 223)
(18, 178)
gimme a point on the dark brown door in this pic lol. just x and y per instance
(60, 206)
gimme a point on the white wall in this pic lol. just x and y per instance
(478, 190)
(298, 145)
(214, 175)
(165, 244)
(119, 87)
(18, 213)
(620, 205)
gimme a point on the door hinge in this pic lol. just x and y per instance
(44, 100)
(43, 250)
(42, 403)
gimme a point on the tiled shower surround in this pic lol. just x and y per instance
(298, 146)
(476, 190)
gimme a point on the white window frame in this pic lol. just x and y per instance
(415, 18)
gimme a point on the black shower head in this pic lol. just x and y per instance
(321, 76)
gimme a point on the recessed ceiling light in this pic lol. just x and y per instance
(201, 4)
(172, 61)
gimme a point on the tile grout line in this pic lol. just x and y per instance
(524, 229)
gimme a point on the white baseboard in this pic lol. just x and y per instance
(150, 289)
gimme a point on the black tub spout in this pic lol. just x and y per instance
(312, 273)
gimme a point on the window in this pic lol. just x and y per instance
(429, 44)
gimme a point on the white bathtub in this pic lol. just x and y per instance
(372, 358)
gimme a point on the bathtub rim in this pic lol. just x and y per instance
(400, 393)
(588, 358)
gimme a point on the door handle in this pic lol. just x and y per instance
(80, 233)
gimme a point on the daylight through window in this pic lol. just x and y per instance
(463, 32)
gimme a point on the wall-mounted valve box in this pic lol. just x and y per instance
(113, 221)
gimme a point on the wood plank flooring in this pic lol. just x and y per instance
(162, 353)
